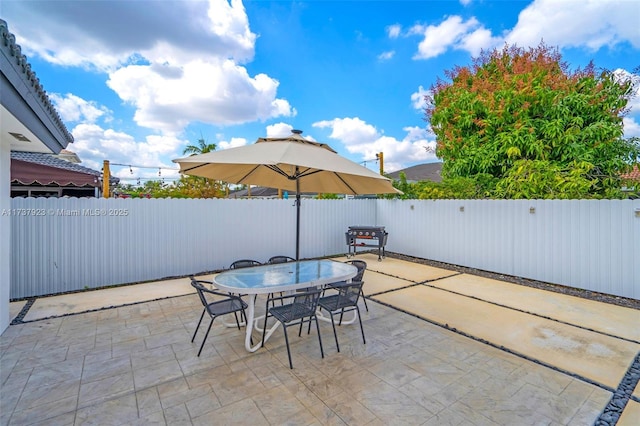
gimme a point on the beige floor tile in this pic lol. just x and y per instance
(148, 402)
(350, 410)
(85, 301)
(106, 388)
(15, 308)
(43, 413)
(391, 406)
(409, 271)
(631, 415)
(243, 412)
(607, 318)
(117, 411)
(596, 356)
(375, 282)
(592, 407)
(409, 371)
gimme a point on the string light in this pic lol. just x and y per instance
(143, 167)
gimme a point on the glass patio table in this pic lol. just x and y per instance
(277, 278)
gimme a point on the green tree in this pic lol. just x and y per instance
(201, 147)
(541, 131)
(196, 187)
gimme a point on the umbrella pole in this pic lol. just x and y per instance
(297, 217)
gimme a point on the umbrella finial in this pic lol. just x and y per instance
(296, 132)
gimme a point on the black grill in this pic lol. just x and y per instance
(366, 236)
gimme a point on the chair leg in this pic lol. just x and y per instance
(198, 326)
(286, 339)
(361, 328)
(264, 327)
(365, 300)
(238, 322)
(205, 336)
(315, 317)
(335, 333)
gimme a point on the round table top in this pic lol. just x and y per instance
(284, 276)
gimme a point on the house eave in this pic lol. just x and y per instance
(26, 107)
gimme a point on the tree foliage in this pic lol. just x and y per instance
(185, 187)
(539, 130)
(201, 147)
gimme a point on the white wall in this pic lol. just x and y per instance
(60, 246)
(588, 244)
(5, 233)
(63, 245)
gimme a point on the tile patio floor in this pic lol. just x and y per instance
(135, 364)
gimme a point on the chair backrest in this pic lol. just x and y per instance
(361, 265)
(305, 303)
(348, 294)
(200, 289)
(281, 259)
(244, 263)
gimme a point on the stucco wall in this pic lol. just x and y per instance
(5, 234)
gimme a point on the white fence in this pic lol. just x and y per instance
(69, 244)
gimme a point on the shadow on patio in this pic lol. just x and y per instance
(442, 348)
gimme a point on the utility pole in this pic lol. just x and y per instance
(106, 175)
(380, 157)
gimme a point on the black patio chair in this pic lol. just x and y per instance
(301, 309)
(280, 259)
(244, 263)
(227, 304)
(362, 267)
(345, 300)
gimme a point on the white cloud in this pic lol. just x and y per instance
(107, 35)
(351, 131)
(475, 41)
(450, 33)
(233, 143)
(94, 144)
(75, 109)
(167, 98)
(362, 138)
(589, 23)
(173, 74)
(418, 98)
(631, 127)
(465, 2)
(634, 102)
(393, 31)
(385, 56)
(279, 130)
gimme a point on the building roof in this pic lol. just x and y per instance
(263, 192)
(420, 172)
(25, 173)
(21, 80)
(634, 174)
(50, 160)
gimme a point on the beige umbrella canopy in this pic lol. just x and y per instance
(292, 163)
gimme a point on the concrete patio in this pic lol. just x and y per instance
(442, 348)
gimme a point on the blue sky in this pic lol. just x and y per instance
(137, 81)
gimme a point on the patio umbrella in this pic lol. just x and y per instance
(292, 163)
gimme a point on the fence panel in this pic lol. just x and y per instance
(68, 244)
(588, 244)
